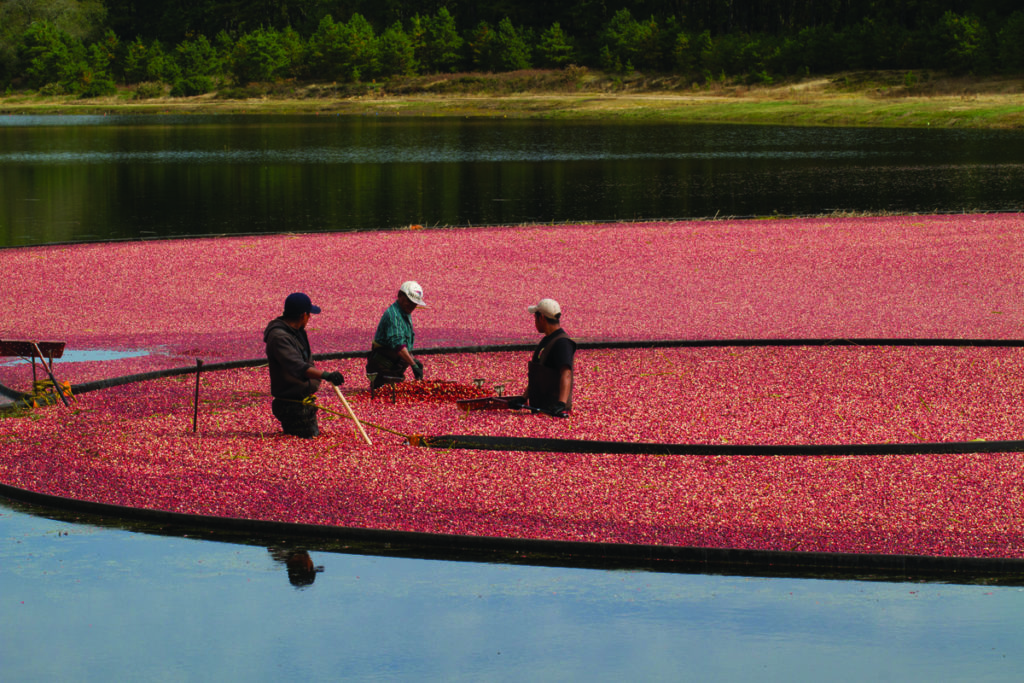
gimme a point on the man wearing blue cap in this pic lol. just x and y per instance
(294, 379)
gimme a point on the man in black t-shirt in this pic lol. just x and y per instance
(550, 374)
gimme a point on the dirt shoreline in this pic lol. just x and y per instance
(865, 100)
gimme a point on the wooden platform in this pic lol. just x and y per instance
(27, 349)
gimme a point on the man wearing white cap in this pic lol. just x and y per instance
(549, 373)
(391, 351)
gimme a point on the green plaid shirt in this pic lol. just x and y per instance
(395, 329)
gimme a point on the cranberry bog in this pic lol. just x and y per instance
(770, 334)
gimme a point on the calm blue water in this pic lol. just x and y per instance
(81, 602)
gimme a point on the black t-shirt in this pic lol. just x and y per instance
(561, 353)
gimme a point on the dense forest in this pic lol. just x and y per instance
(188, 47)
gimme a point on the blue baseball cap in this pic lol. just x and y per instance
(297, 304)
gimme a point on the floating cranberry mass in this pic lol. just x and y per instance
(948, 276)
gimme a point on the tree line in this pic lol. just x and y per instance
(189, 47)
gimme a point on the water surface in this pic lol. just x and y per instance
(68, 178)
(86, 602)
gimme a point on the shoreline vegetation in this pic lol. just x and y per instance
(899, 99)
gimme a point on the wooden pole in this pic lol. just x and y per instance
(49, 371)
(195, 405)
(359, 425)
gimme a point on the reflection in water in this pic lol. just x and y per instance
(85, 602)
(301, 570)
(131, 177)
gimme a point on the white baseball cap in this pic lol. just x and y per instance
(548, 308)
(412, 289)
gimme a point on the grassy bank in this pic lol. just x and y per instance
(889, 99)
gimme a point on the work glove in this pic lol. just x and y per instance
(517, 402)
(417, 370)
(558, 410)
(335, 378)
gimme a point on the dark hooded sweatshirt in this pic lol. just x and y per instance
(288, 357)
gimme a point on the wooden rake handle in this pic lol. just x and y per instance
(348, 408)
